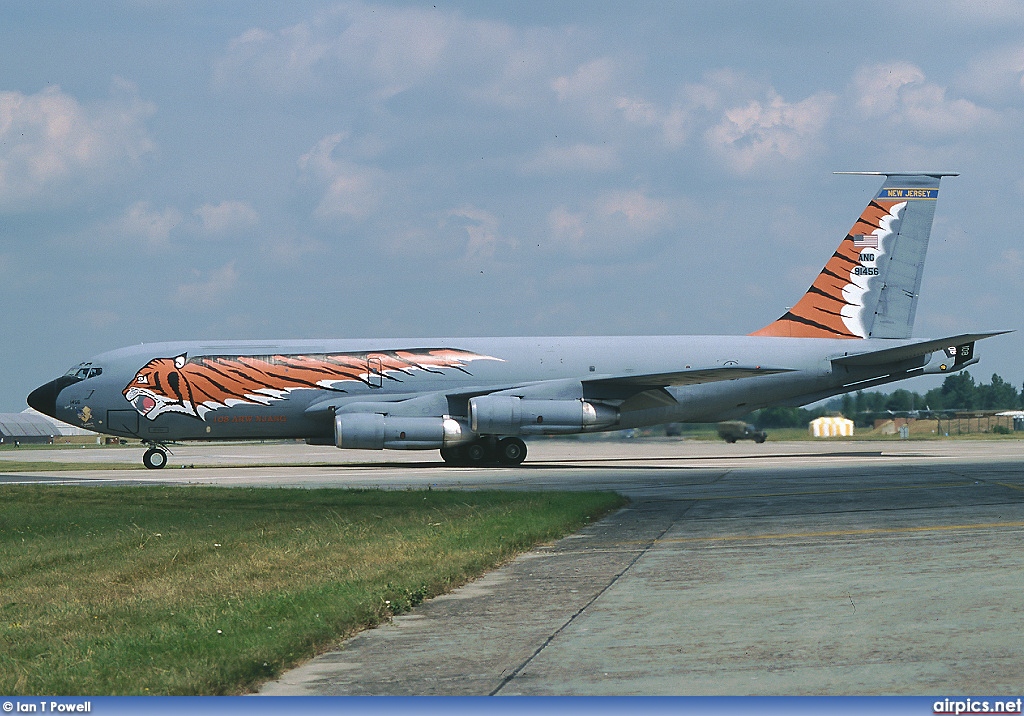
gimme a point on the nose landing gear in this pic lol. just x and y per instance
(155, 458)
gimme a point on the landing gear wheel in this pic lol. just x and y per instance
(154, 459)
(477, 454)
(511, 451)
(455, 456)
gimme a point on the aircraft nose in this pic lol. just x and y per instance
(44, 398)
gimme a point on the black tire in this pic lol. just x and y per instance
(154, 459)
(454, 456)
(477, 454)
(511, 451)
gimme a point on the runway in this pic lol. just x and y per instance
(784, 568)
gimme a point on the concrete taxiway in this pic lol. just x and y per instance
(784, 568)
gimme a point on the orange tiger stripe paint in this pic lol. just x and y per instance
(818, 314)
(205, 383)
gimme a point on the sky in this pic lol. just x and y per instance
(226, 169)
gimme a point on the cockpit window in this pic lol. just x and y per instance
(84, 370)
(75, 370)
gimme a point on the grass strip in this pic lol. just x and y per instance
(10, 466)
(207, 590)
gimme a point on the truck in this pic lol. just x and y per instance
(733, 430)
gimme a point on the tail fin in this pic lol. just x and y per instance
(869, 288)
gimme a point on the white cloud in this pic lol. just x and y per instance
(349, 190)
(369, 53)
(567, 227)
(227, 217)
(482, 231)
(153, 226)
(573, 159)
(673, 122)
(294, 251)
(759, 133)
(51, 145)
(207, 290)
(612, 224)
(998, 13)
(598, 90)
(997, 75)
(877, 88)
(640, 212)
(898, 93)
(592, 79)
(385, 49)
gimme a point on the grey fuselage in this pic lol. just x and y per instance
(645, 380)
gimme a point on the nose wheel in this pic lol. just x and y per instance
(154, 458)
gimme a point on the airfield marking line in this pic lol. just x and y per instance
(1012, 487)
(845, 533)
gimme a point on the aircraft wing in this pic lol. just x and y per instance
(604, 387)
(641, 392)
(912, 350)
(684, 377)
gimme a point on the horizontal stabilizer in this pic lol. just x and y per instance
(911, 350)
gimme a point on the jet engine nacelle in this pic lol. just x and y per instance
(373, 431)
(511, 415)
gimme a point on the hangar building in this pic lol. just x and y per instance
(26, 428)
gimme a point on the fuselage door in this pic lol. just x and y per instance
(123, 422)
(374, 372)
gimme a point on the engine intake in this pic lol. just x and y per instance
(511, 415)
(373, 431)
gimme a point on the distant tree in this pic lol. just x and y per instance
(784, 417)
(997, 395)
(858, 402)
(934, 399)
(901, 401)
(846, 407)
(958, 392)
(870, 402)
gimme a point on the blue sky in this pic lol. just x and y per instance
(313, 169)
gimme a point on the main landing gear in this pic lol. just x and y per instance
(155, 458)
(486, 452)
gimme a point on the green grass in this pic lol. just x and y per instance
(9, 466)
(186, 590)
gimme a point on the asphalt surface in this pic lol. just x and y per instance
(784, 568)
